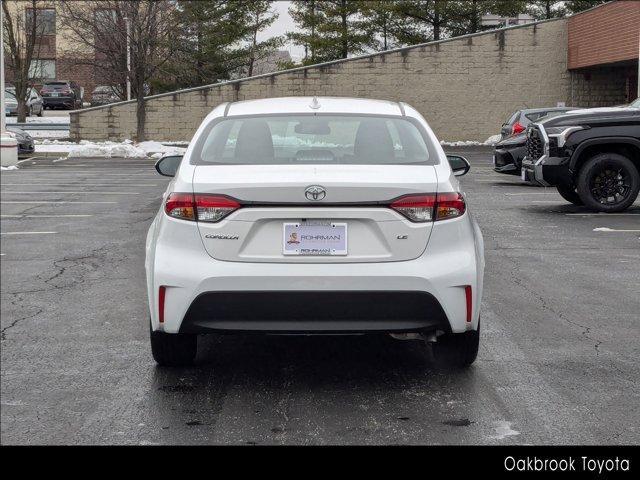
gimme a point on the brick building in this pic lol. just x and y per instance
(53, 57)
(603, 53)
(465, 86)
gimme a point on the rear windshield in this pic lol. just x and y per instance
(313, 139)
(513, 118)
(535, 116)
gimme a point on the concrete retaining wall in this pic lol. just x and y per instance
(465, 87)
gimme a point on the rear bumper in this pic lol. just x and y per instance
(508, 160)
(203, 294)
(314, 312)
(58, 101)
(25, 148)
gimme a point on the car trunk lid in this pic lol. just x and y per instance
(354, 203)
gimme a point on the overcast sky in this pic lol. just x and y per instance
(283, 24)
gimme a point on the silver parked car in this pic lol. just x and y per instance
(103, 95)
(35, 105)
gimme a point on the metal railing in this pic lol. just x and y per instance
(40, 126)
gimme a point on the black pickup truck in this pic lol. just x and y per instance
(591, 156)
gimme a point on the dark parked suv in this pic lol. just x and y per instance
(61, 94)
(511, 149)
(591, 156)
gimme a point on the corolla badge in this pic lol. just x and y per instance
(221, 237)
(315, 193)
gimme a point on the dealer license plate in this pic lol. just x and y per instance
(314, 237)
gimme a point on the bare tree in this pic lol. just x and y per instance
(23, 29)
(104, 28)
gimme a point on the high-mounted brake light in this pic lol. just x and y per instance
(430, 207)
(199, 207)
(517, 128)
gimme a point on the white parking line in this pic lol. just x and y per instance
(607, 229)
(48, 202)
(27, 233)
(72, 192)
(530, 193)
(26, 160)
(79, 184)
(46, 216)
(601, 214)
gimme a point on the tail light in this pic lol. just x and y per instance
(517, 128)
(430, 207)
(450, 205)
(199, 207)
(417, 208)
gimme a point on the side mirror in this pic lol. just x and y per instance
(459, 165)
(168, 166)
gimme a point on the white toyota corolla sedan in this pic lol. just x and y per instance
(314, 215)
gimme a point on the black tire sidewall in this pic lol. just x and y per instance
(595, 164)
(569, 194)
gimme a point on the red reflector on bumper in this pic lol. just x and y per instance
(467, 293)
(161, 304)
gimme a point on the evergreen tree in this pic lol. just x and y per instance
(307, 17)
(546, 9)
(260, 16)
(426, 20)
(467, 15)
(575, 6)
(212, 42)
(381, 22)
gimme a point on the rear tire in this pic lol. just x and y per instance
(173, 349)
(570, 194)
(608, 183)
(458, 350)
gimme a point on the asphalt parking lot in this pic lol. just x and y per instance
(557, 364)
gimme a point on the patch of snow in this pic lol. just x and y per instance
(503, 430)
(47, 134)
(48, 141)
(492, 140)
(176, 142)
(460, 143)
(107, 149)
(10, 167)
(44, 119)
(157, 149)
(54, 148)
(125, 149)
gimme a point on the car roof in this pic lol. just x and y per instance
(550, 109)
(323, 105)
